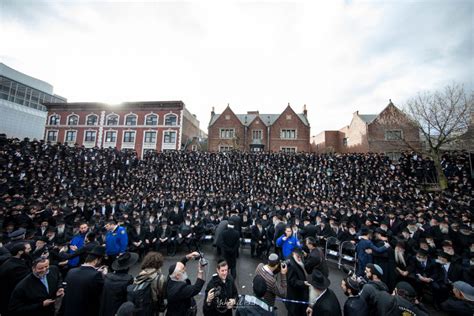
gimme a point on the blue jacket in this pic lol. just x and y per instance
(364, 258)
(288, 245)
(77, 241)
(116, 241)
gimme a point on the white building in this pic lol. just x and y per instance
(21, 104)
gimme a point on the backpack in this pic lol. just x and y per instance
(141, 295)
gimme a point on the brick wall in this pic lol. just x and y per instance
(357, 135)
(226, 120)
(289, 120)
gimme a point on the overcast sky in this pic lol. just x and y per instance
(334, 56)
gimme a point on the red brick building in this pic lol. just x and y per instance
(142, 126)
(253, 131)
(390, 132)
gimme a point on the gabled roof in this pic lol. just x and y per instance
(268, 119)
(368, 118)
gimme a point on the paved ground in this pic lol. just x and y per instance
(245, 272)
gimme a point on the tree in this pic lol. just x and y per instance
(442, 117)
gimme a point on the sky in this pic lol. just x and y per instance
(337, 57)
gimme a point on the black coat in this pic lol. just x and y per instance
(114, 292)
(180, 296)
(228, 291)
(11, 273)
(28, 296)
(355, 306)
(85, 298)
(316, 260)
(296, 289)
(327, 305)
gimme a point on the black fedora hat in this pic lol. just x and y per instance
(98, 251)
(125, 261)
(318, 280)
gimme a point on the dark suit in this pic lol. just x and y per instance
(28, 296)
(229, 243)
(296, 289)
(259, 241)
(11, 273)
(327, 305)
(315, 260)
(85, 298)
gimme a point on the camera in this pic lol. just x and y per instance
(358, 282)
(284, 263)
(202, 261)
(217, 291)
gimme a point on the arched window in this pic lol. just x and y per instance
(171, 120)
(73, 119)
(54, 119)
(92, 119)
(151, 119)
(112, 119)
(130, 120)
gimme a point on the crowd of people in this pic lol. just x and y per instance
(77, 214)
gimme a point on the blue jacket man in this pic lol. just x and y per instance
(78, 241)
(364, 255)
(288, 242)
(116, 239)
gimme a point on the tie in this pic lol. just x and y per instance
(45, 283)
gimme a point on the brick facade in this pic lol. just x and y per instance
(371, 133)
(259, 132)
(163, 123)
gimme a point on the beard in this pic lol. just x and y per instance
(313, 295)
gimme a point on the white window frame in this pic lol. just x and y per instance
(175, 138)
(58, 121)
(150, 131)
(52, 130)
(282, 136)
(194, 147)
(391, 131)
(87, 119)
(157, 119)
(134, 138)
(69, 116)
(285, 149)
(257, 130)
(109, 115)
(225, 136)
(89, 141)
(224, 148)
(170, 114)
(131, 114)
(110, 144)
(75, 136)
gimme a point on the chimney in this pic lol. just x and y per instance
(212, 112)
(305, 111)
(253, 112)
(356, 113)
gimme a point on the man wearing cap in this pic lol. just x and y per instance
(322, 300)
(15, 237)
(180, 292)
(354, 305)
(255, 305)
(269, 273)
(115, 284)
(462, 304)
(86, 283)
(116, 241)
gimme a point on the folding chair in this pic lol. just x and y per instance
(331, 252)
(347, 255)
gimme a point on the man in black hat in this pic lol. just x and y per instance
(354, 305)
(87, 282)
(421, 271)
(114, 292)
(229, 244)
(297, 290)
(322, 299)
(315, 259)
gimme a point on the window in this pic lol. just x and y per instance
(131, 120)
(150, 137)
(110, 136)
(257, 134)
(290, 150)
(52, 136)
(73, 120)
(71, 136)
(393, 135)
(129, 137)
(227, 117)
(92, 119)
(225, 148)
(112, 119)
(344, 142)
(54, 119)
(193, 148)
(170, 120)
(170, 137)
(288, 117)
(288, 134)
(151, 119)
(90, 136)
(227, 133)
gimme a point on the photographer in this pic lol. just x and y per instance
(269, 272)
(221, 292)
(354, 305)
(180, 292)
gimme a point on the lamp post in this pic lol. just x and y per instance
(329, 173)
